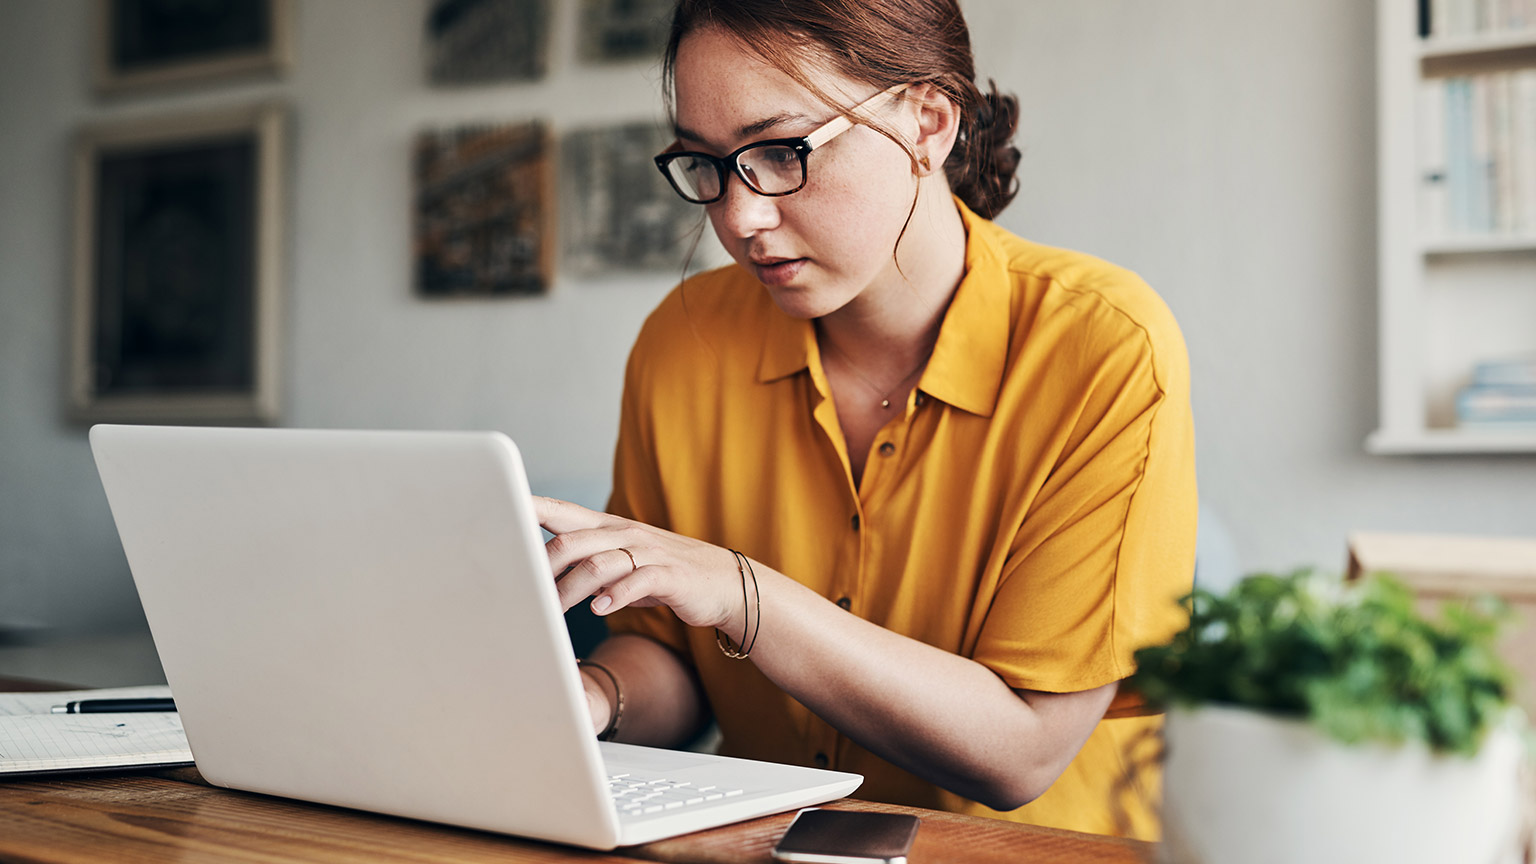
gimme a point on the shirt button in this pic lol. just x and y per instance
(845, 603)
(887, 449)
(821, 760)
(855, 521)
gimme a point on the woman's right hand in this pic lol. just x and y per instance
(619, 562)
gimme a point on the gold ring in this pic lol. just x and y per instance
(632, 565)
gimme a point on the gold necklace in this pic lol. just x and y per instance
(885, 396)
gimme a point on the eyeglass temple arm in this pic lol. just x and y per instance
(833, 128)
(841, 123)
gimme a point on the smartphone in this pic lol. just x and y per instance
(847, 837)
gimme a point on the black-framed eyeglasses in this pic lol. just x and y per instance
(774, 168)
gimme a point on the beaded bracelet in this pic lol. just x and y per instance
(751, 623)
(612, 728)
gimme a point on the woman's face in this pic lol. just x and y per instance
(820, 248)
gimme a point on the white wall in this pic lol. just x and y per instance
(1224, 150)
(1227, 152)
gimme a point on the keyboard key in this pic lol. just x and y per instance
(636, 796)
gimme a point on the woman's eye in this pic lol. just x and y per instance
(779, 156)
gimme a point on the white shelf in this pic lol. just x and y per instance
(1444, 303)
(1479, 43)
(1450, 442)
(1479, 244)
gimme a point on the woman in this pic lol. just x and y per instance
(898, 493)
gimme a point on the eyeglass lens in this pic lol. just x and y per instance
(770, 169)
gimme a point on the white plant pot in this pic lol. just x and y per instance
(1241, 787)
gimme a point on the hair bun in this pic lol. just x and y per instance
(983, 166)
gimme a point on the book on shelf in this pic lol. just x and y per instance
(1478, 218)
(1496, 406)
(1477, 155)
(1502, 396)
(1506, 372)
(1433, 182)
(1523, 140)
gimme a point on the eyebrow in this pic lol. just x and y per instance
(755, 128)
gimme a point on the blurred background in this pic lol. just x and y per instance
(1227, 152)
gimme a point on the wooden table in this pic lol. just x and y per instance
(173, 815)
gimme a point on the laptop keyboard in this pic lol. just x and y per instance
(637, 795)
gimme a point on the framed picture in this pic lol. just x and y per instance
(484, 201)
(178, 269)
(151, 43)
(616, 31)
(486, 41)
(618, 214)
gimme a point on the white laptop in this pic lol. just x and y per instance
(368, 619)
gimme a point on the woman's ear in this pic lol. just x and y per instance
(938, 123)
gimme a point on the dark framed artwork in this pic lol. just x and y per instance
(618, 214)
(484, 206)
(150, 43)
(617, 31)
(486, 41)
(177, 269)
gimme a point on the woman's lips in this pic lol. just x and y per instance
(776, 272)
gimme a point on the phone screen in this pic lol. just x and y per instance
(847, 837)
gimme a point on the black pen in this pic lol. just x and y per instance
(114, 706)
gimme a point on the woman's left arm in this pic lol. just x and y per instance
(943, 717)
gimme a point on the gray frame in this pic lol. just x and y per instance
(478, 42)
(275, 57)
(618, 214)
(260, 132)
(623, 31)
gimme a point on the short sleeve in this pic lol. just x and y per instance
(1107, 546)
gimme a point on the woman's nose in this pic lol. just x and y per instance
(740, 212)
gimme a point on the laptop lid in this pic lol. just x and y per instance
(364, 619)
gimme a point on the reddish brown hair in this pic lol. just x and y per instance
(884, 43)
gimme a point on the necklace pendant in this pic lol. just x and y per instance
(885, 403)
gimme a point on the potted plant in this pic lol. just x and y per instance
(1315, 721)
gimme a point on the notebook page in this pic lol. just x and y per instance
(43, 702)
(65, 742)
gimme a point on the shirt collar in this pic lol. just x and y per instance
(966, 369)
(788, 344)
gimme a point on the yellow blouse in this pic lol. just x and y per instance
(1032, 508)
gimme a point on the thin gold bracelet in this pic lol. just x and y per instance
(612, 728)
(757, 604)
(750, 625)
